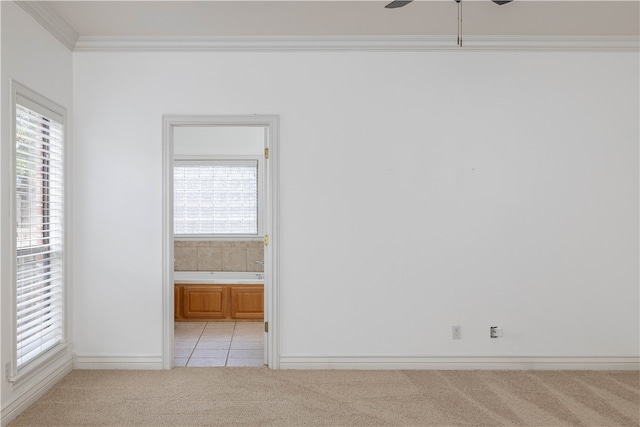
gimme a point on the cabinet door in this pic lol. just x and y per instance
(205, 302)
(247, 302)
(177, 302)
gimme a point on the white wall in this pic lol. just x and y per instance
(418, 191)
(36, 59)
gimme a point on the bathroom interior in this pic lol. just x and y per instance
(218, 246)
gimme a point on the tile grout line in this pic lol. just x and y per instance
(235, 334)
(196, 344)
(229, 349)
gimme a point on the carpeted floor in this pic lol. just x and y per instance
(262, 397)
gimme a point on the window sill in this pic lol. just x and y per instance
(38, 365)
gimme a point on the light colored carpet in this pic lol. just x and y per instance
(262, 397)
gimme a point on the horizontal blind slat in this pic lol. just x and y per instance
(29, 330)
(40, 231)
(31, 324)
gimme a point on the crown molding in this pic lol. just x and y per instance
(355, 43)
(59, 28)
(51, 21)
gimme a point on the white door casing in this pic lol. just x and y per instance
(270, 218)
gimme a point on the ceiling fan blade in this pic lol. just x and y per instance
(398, 3)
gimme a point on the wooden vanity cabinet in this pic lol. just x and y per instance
(177, 302)
(247, 302)
(218, 302)
(205, 302)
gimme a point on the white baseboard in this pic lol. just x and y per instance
(400, 362)
(118, 362)
(32, 390)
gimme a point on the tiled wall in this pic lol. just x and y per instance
(218, 256)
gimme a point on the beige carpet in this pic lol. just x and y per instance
(259, 396)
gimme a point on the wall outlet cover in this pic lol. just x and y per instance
(456, 332)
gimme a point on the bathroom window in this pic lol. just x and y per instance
(216, 197)
(39, 228)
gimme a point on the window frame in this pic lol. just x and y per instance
(25, 97)
(208, 158)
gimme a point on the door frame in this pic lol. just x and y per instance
(270, 217)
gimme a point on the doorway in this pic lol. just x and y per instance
(175, 127)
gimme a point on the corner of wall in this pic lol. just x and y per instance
(37, 386)
(24, 47)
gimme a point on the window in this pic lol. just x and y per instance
(39, 232)
(216, 197)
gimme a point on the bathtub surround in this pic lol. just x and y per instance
(219, 302)
(219, 277)
(202, 255)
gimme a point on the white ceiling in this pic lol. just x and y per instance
(347, 18)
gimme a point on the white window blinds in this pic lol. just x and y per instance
(39, 230)
(216, 197)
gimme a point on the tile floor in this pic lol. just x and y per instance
(218, 344)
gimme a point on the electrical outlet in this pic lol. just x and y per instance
(495, 332)
(457, 332)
